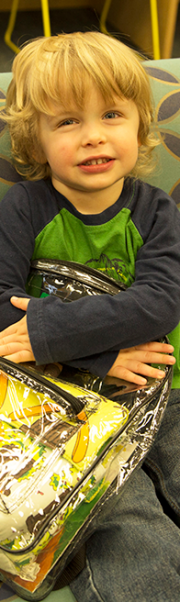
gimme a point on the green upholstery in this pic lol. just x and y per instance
(165, 82)
(8, 175)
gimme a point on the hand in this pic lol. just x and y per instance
(131, 363)
(14, 341)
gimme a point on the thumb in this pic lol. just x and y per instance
(20, 302)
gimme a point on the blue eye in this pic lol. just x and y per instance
(67, 122)
(111, 115)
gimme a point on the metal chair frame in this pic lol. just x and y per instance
(154, 24)
(103, 17)
(12, 19)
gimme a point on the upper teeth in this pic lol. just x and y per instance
(97, 161)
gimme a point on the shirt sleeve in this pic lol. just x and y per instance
(16, 249)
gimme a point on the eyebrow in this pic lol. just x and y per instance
(64, 114)
(74, 109)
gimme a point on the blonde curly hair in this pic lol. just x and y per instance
(58, 68)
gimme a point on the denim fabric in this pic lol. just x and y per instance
(134, 554)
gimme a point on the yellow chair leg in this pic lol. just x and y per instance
(12, 19)
(46, 18)
(103, 16)
(155, 29)
(10, 27)
(154, 24)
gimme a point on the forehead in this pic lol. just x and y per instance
(70, 93)
(65, 72)
(93, 99)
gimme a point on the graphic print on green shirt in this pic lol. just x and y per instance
(110, 247)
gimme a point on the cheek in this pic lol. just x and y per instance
(133, 143)
(63, 154)
(129, 146)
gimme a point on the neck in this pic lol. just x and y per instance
(91, 203)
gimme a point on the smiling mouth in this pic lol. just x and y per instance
(98, 161)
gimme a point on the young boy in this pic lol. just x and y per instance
(79, 112)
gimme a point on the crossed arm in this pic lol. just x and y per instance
(132, 364)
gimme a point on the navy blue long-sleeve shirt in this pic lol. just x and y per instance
(136, 241)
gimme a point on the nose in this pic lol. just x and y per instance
(93, 134)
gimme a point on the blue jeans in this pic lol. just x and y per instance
(134, 554)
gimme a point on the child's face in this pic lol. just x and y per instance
(91, 150)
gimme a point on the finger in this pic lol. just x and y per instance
(136, 371)
(146, 357)
(146, 370)
(157, 358)
(156, 346)
(20, 302)
(12, 339)
(125, 374)
(20, 356)
(11, 335)
(8, 332)
(11, 348)
(14, 331)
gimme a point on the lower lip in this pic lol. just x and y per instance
(98, 168)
